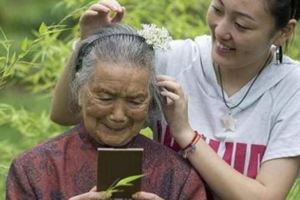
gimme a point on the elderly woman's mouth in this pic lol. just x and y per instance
(115, 127)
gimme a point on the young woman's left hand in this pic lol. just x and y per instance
(175, 105)
(145, 196)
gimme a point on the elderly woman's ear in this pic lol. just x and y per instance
(80, 98)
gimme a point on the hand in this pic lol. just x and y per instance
(92, 195)
(175, 106)
(99, 16)
(145, 196)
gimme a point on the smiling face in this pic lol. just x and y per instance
(242, 30)
(115, 103)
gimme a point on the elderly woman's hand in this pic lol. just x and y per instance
(175, 105)
(145, 196)
(92, 195)
(99, 15)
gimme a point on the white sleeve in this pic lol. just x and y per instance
(176, 59)
(284, 138)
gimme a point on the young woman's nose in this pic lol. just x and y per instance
(223, 29)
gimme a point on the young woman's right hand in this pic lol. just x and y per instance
(99, 15)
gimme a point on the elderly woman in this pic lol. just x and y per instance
(114, 86)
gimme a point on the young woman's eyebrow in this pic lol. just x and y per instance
(242, 14)
(239, 13)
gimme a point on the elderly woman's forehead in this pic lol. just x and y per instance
(110, 62)
(106, 72)
(120, 68)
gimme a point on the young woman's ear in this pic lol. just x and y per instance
(285, 33)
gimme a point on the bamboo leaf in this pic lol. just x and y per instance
(24, 44)
(128, 180)
(43, 28)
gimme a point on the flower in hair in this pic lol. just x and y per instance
(157, 37)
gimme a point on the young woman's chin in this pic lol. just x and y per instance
(219, 60)
(224, 59)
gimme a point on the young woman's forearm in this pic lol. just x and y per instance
(61, 111)
(91, 22)
(272, 183)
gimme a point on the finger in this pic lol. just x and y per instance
(170, 86)
(112, 4)
(164, 78)
(92, 13)
(169, 83)
(99, 8)
(89, 13)
(119, 16)
(170, 97)
(92, 196)
(146, 196)
(94, 189)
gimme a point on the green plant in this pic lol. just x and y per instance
(6, 59)
(124, 182)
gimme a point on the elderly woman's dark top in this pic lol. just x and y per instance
(66, 166)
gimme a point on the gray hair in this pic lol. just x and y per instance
(116, 44)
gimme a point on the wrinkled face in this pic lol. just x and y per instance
(242, 30)
(115, 103)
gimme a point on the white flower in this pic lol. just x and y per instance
(157, 37)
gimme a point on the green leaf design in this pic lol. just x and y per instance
(127, 181)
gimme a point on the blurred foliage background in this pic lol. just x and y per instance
(36, 39)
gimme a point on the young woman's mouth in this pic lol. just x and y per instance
(223, 49)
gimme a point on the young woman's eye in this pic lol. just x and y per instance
(216, 9)
(241, 27)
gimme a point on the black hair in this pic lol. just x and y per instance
(283, 11)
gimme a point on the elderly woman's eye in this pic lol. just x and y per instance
(105, 98)
(136, 102)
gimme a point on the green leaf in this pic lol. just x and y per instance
(128, 180)
(43, 28)
(24, 44)
(147, 132)
(13, 58)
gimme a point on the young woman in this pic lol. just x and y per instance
(243, 96)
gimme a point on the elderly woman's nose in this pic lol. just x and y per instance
(118, 112)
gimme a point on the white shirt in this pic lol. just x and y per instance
(267, 121)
